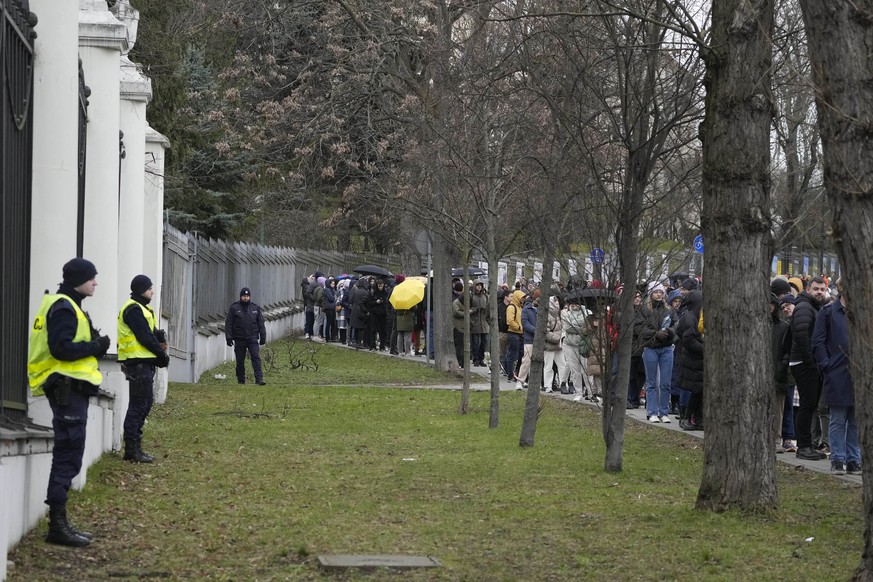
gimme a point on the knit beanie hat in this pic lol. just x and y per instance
(796, 283)
(140, 284)
(399, 278)
(78, 271)
(321, 281)
(779, 286)
(657, 287)
(675, 294)
(245, 291)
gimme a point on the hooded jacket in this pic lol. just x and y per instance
(513, 313)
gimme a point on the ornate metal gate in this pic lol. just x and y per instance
(16, 154)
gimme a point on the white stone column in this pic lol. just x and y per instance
(135, 91)
(153, 241)
(55, 145)
(102, 38)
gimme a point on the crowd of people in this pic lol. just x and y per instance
(812, 380)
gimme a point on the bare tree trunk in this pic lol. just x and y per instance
(615, 400)
(839, 35)
(465, 299)
(494, 331)
(739, 461)
(444, 351)
(535, 376)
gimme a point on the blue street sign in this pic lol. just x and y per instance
(597, 255)
(698, 243)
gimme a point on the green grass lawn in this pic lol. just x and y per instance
(253, 483)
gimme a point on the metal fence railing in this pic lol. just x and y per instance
(16, 162)
(202, 277)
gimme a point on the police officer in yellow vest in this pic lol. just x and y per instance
(62, 364)
(139, 351)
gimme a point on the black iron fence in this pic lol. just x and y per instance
(16, 148)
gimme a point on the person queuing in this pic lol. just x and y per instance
(62, 364)
(654, 325)
(803, 366)
(139, 352)
(244, 329)
(830, 346)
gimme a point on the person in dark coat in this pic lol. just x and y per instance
(328, 306)
(803, 366)
(359, 298)
(830, 346)
(244, 329)
(378, 308)
(691, 361)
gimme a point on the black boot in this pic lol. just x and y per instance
(564, 388)
(62, 533)
(134, 453)
(570, 388)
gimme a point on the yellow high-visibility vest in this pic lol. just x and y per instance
(128, 346)
(40, 362)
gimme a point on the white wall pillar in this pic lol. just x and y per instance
(55, 145)
(102, 38)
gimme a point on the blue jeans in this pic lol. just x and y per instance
(843, 434)
(659, 369)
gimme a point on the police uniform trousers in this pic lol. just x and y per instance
(239, 349)
(69, 421)
(142, 379)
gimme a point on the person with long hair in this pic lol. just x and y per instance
(654, 325)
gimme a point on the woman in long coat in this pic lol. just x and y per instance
(359, 297)
(691, 362)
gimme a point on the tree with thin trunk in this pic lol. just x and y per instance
(739, 465)
(840, 35)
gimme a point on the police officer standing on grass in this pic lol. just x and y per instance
(244, 329)
(62, 364)
(139, 351)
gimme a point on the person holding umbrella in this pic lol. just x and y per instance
(406, 298)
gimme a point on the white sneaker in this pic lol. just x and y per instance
(549, 390)
(666, 419)
(654, 418)
(519, 386)
(307, 336)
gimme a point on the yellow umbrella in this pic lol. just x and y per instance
(407, 295)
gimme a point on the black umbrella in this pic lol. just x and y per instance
(592, 298)
(474, 272)
(372, 270)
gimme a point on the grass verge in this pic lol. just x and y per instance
(252, 483)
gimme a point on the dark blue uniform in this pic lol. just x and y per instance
(244, 329)
(140, 373)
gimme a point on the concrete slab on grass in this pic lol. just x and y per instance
(397, 562)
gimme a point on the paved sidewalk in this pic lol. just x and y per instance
(481, 381)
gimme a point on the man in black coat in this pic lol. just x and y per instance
(803, 366)
(244, 330)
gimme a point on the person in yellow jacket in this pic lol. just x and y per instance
(62, 364)
(139, 350)
(514, 334)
